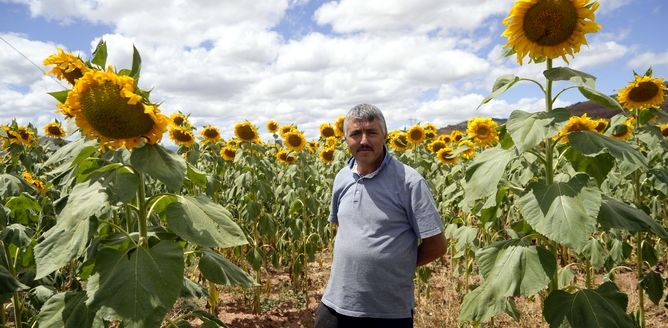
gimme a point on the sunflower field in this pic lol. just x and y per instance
(103, 225)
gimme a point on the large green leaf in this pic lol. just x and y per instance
(599, 97)
(569, 74)
(595, 253)
(62, 244)
(17, 235)
(484, 174)
(140, 285)
(563, 211)
(513, 268)
(480, 305)
(203, 222)
(10, 186)
(100, 54)
(590, 143)
(160, 163)
(118, 182)
(219, 270)
(616, 214)
(19, 207)
(196, 176)
(8, 285)
(604, 307)
(652, 283)
(597, 166)
(67, 310)
(502, 83)
(529, 129)
(87, 199)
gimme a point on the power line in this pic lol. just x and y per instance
(28, 59)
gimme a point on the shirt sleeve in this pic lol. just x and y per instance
(427, 219)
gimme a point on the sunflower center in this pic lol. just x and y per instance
(328, 155)
(482, 132)
(111, 116)
(416, 135)
(211, 133)
(73, 75)
(645, 91)
(294, 140)
(246, 133)
(178, 120)
(55, 130)
(182, 136)
(664, 131)
(327, 132)
(550, 22)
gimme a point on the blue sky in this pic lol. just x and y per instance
(307, 62)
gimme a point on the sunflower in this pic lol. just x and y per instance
(446, 138)
(545, 29)
(272, 126)
(577, 123)
(282, 131)
(210, 134)
(312, 146)
(622, 131)
(468, 153)
(416, 134)
(436, 145)
(106, 106)
(246, 131)
(228, 153)
(429, 134)
(664, 130)
(54, 130)
(38, 184)
(233, 143)
(339, 125)
(67, 66)
(482, 131)
(643, 93)
(399, 141)
(24, 135)
(430, 127)
(601, 124)
(181, 135)
(294, 140)
(327, 155)
(331, 142)
(443, 155)
(178, 119)
(327, 130)
(284, 158)
(456, 135)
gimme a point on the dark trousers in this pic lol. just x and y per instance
(325, 317)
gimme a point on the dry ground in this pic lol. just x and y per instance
(282, 308)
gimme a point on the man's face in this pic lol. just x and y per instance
(365, 140)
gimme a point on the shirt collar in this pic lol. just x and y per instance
(352, 164)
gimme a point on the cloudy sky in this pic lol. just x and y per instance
(306, 62)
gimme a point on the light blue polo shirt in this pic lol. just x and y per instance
(380, 218)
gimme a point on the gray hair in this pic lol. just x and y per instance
(364, 113)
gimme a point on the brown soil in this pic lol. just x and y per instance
(283, 308)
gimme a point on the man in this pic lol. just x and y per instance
(382, 208)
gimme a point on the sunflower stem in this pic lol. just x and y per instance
(549, 175)
(16, 300)
(637, 193)
(142, 215)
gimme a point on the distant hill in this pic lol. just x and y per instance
(593, 109)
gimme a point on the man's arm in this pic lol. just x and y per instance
(431, 248)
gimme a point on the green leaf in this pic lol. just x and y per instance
(9, 284)
(513, 268)
(17, 235)
(203, 222)
(136, 64)
(604, 307)
(590, 143)
(616, 214)
(196, 176)
(118, 182)
(66, 310)
(652, 283)
(563, 211)
(595, 253)
(659, 178)
(565, 277)
(193, 289)
(601, 98)
(219, 270)
(61, 96)
(140, 285)
(529, 129)
(10, 185)
(70, 151)
(62, 244)
(597, 166)
(501, 85)
(484, 174)
(100, 54)
(479, 305)
(19, 207)
(569, 74)
(160, 163)
(255, 257)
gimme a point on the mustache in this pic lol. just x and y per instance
(364, 147)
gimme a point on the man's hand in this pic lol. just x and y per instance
(431, 248)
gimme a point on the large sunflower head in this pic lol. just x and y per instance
(548, 29)
(245, 131)
(181, 135)
(399, 141)
(327, 130)
(436, 145)
(210, 134)
(295, 140)
(444, 155)
(339, 125)
(54, 130)
(327, 155)
(106, 106)
(272, 126)
(577, 123)
(68, 66)
(228, 153)
(469, 152)
(643, 93)
(482, 131)
(178, 119)
(416, 134)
